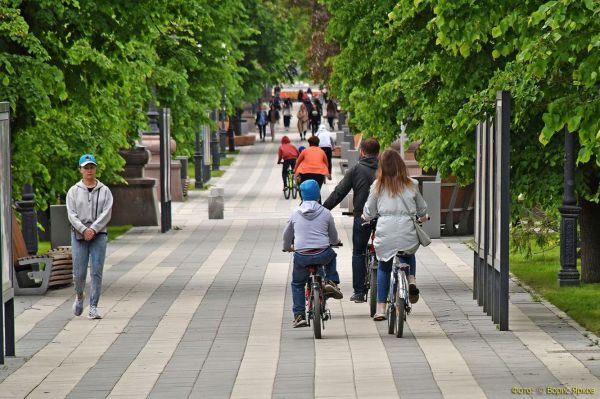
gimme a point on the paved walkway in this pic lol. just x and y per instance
(204, 311)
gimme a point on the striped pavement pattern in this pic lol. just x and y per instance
(204, 311)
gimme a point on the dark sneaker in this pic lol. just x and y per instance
(358, 298)
(332, 290)
(78, 306)
(413, 293)
(299, 321)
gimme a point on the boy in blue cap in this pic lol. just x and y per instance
(310, 232)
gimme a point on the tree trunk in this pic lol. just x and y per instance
(590, 241)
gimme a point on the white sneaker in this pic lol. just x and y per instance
(93, 313)
(78, 306)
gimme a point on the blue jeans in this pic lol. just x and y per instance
(384, 272)
(300, 275)
(360, 238)
(83, 252)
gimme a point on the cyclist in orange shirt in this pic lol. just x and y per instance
(312, 163)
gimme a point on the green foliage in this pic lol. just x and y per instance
(534, 229)
(79, 75)
(437, 65)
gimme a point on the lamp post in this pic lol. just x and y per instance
(222, 118)
(402, 138)
(214, 144)
(198, 161)
(569, 212)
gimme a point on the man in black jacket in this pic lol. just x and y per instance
(358, 178)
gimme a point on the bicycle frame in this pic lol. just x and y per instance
(315, 284)
(398, 302)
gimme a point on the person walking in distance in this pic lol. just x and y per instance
(261, 122)
(358, 179)
(394, 198)
(89, 207)
(273, 117)
(287, 113)
(331, 113)
(302, 121)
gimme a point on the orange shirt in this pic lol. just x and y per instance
(312, 160)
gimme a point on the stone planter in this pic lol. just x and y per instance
(135, 160)
(135, 201)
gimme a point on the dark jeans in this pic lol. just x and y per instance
(307, 176)
(286, 120)
(262, 131)
(360, 238)
(329, 154)
(384, 272)
(300, 275)
(287, 164)
(330, 119)
(314, 124)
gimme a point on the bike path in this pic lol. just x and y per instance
(204, 311)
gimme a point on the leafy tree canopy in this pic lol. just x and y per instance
(79, 75)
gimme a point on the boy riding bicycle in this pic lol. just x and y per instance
(288, 154)
(310, 232)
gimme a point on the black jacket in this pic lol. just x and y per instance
(358, 178)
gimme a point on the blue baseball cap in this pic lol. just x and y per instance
(310, 190)
(87, 159)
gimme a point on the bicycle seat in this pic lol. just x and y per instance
(403, 266)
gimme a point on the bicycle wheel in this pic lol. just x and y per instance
(316, 310)
(400, 316)
(294, 191)
(391, 310)
(286, 192)
(372, 273)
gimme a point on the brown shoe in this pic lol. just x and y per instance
(413, 293)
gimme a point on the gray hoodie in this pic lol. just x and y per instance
(311, 226)
(86, 208)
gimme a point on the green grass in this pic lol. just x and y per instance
(217, 173)
(224, 162)
(540, 272)
(113, 232)
(227, 161)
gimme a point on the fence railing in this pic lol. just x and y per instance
(491, 262)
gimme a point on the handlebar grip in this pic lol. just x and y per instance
(348, 213)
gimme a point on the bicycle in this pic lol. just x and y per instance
(316, 307)
(398, 305)
(290, 188)
(371, 276)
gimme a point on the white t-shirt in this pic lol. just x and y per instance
(324, 138)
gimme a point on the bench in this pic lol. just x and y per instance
(457, 208)
(29, 277)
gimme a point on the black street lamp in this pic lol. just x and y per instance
(222, 118)
(198, 161)
(569, 212)
(214, 144)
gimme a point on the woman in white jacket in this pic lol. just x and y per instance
(394, 199)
